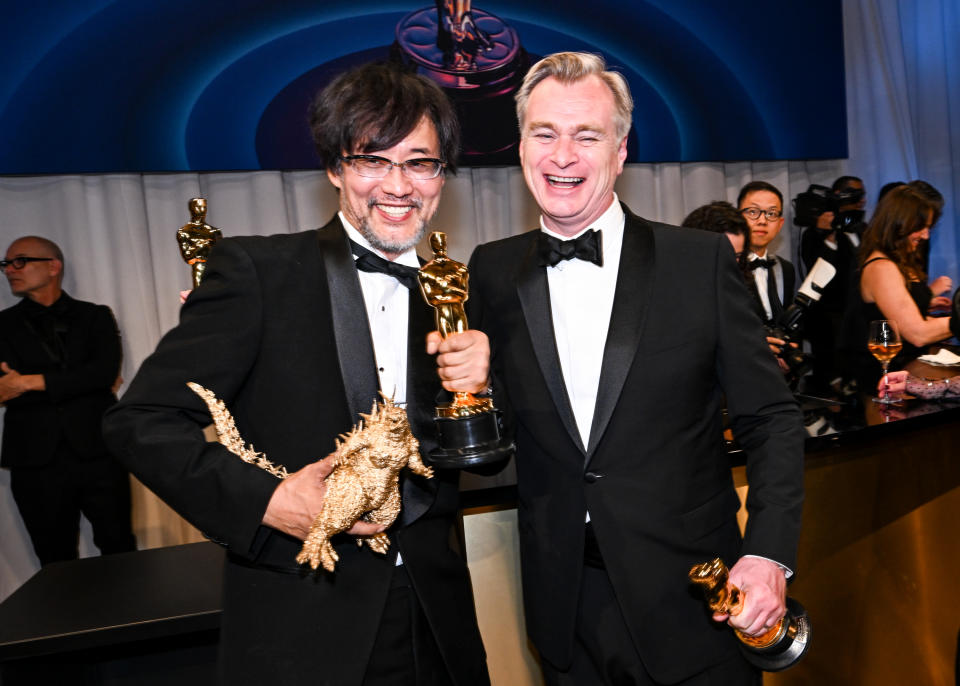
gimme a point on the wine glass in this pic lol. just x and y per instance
(884, 344)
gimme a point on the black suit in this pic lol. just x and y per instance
(655, 476)
(789, 287)
(52, 441)
(278, 331)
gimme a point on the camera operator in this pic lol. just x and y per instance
(834, 221)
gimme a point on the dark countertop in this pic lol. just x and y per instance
(113, 599)
(165, 592)
(830, 423)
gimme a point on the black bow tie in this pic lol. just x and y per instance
(368, 261)
(768, 263)
(588, 247)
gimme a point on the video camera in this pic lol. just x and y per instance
(787, 326)
(808, 206)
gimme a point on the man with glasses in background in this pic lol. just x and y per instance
(59, 365)
(296, 334)
(774, 278)
(770, 278)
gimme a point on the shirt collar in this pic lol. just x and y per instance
(409, 258)
(610, 223)
(58, 306)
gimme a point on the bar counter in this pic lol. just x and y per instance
(878, 571)
(879, 555)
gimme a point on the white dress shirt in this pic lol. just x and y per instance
(581, 299)
(387, 302)
(760, 278)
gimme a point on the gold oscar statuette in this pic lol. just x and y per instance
(468, 427)
(779, 647)
(196, 239)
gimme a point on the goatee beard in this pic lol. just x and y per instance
(391, 247)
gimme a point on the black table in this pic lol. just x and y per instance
(147, 617)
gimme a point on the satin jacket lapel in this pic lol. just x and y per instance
(534, 293)
(631, 302)
(755, 294)
(351, 330)
(789, 281)
(422, 385)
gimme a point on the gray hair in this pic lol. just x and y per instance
(570, 67)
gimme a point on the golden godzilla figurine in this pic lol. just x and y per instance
(364, 480)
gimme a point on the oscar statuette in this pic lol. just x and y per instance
(468, 427)
(779, 647)
(196, 239)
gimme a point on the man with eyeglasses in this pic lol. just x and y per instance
(296, 334)
(774, 278)
(59, 361)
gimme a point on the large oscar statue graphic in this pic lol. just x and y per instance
(776, 649)
(477, 59)
(468, 427)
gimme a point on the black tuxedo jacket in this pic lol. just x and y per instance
(655, 476)
(79, 370)
(279, 332)
(789, 286)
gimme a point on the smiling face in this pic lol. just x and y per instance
(392, 213)
(570, 152)
(762, 230)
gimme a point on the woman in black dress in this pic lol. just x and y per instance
(892, 284)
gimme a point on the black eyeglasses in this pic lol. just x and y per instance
(374, 167)
(21, 262)
(754, 213)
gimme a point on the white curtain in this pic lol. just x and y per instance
(118, 230)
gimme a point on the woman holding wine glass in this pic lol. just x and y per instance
(892, 285)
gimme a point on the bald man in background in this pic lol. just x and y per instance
(59, 363)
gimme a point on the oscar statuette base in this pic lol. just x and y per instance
(469, 441)
(788, 647)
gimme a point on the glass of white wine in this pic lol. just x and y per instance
(884, 344)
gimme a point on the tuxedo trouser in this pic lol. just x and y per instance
(405, 652)
(51, 497)
(604, 653)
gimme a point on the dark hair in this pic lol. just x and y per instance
(721, 217)
(374, 107)
(755, 186)
(887, 187)
(845, 181)
(903, 211)
(931, 194)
